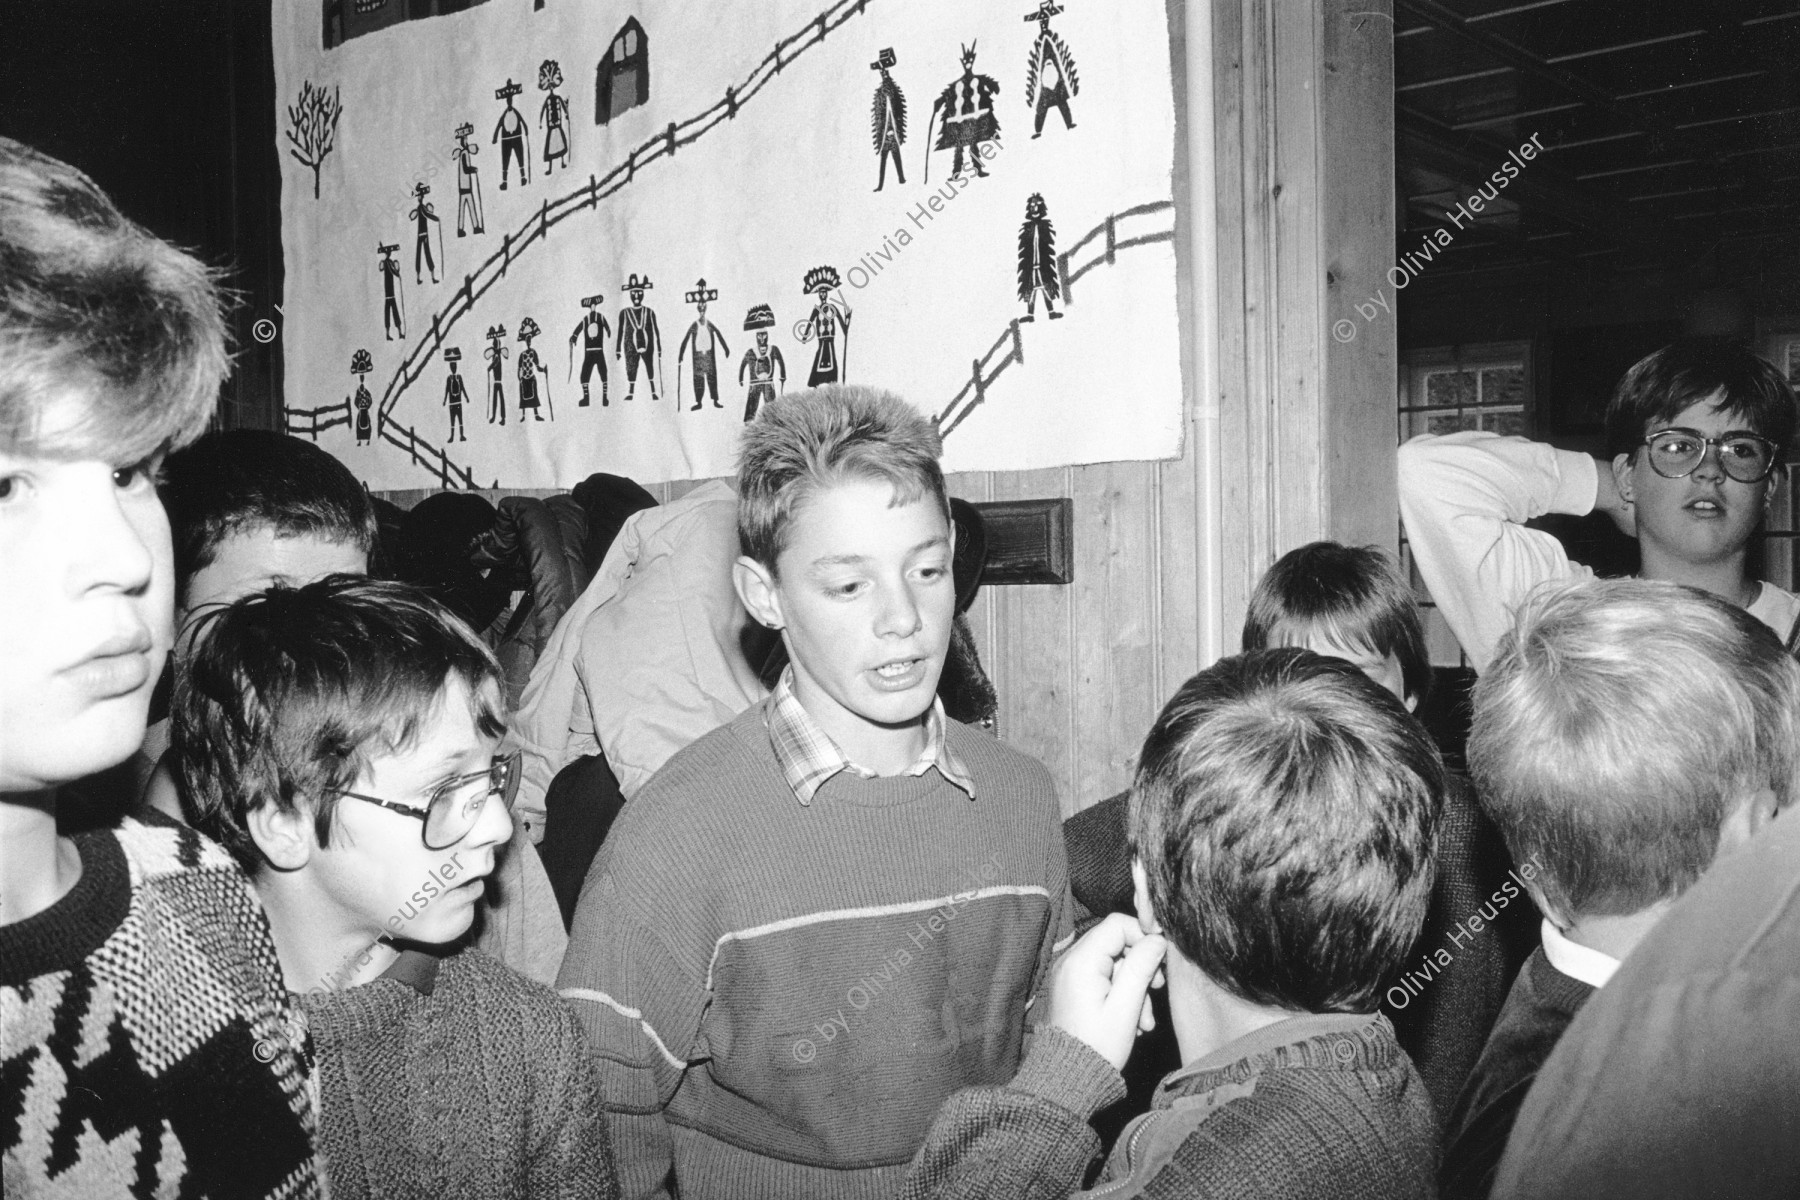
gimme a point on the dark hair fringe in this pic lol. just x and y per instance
(1661, 384)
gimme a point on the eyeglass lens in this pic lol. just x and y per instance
(1674, 454)
(457, 806)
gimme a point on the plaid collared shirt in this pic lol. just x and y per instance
(809, 757)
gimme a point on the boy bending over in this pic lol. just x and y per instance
(146, 1042)
(340, 740)
(1626, 734)
(1283, 815)
(818, 921)
(1694, 433)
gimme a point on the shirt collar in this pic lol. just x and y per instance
(808, 757)
(1581, 963)
(416, 969)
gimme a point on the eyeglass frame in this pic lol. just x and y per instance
(508, 765)
(1707, 443)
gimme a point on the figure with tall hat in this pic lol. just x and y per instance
(553, 115)
(829, 322)
(1050, 77)
(638, 340)
(969, 120)
(393, 301)
(592, 331)
(887, 119)
(360, 366)
(468, 181)
(529, 365)
(705, 338)
(1039, 271)
(496, 354)
(511, 132)
(761, 361)
(455, 393)
(425, 217)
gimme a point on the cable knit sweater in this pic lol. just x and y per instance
(147, 1048)
(457, 1077)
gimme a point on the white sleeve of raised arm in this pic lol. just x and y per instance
(1464, 498)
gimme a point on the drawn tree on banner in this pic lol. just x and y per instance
(1050, 77)
(312, 127)
(887, 119)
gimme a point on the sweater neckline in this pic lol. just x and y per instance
(64, 934)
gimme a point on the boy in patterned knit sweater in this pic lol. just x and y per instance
(339, 738)
(146, 1042)
(821, 919)
(1284, 814)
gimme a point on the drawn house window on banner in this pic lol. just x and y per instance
(622, 81)
(346, 19)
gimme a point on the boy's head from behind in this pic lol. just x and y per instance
(1284, 815)
(1691, 502)
(112, 349)
(293, 699)
(1349, 602)
(844, 528)
(1624, 733)
(249, 508)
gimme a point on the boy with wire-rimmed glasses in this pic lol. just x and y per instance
(1696, 434)
(339, 739)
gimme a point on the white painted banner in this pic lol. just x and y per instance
(970, 204)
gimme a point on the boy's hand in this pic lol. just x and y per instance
(1099, 987)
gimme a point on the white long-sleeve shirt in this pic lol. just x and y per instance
(1464, 498)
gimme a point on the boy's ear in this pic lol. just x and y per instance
(756, 588)
(285, 836)
(1621, 469)
(1745, 819)
(1140, 896)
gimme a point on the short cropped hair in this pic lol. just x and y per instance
(290, 691)
(245, 479)
(1351, 595)
(1617, 724)
(96, 311)
(820, 437)
(1285, 810)
(1660, 385)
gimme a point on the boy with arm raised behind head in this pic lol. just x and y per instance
(819, 920)
(1283, 816)
(340, 740)
(148, 1045)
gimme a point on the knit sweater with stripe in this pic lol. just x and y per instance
(1321, 1106)
(147, 1048)
(780, 995)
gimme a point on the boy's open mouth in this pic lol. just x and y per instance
(900, 674)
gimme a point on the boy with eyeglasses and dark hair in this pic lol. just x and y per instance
(1695, 432)
(339, 739)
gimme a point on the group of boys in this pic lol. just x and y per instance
(830, 949)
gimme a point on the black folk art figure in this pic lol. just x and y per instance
(360, 366)
(468, 181)
(829, 321)
(553, 115)
(969, 120)
(424, 216)
(393, 299)
(639, 339)
(708, 342)
(455, 394)
(1050, 78)
(887, 119)
(592, 331)
(529, 367)
(1038, 267)
(761, 362)
(496, 354)
(510, 131)
(312, 127)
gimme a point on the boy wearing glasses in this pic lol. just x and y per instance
(339, 739)
(1695, 433)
